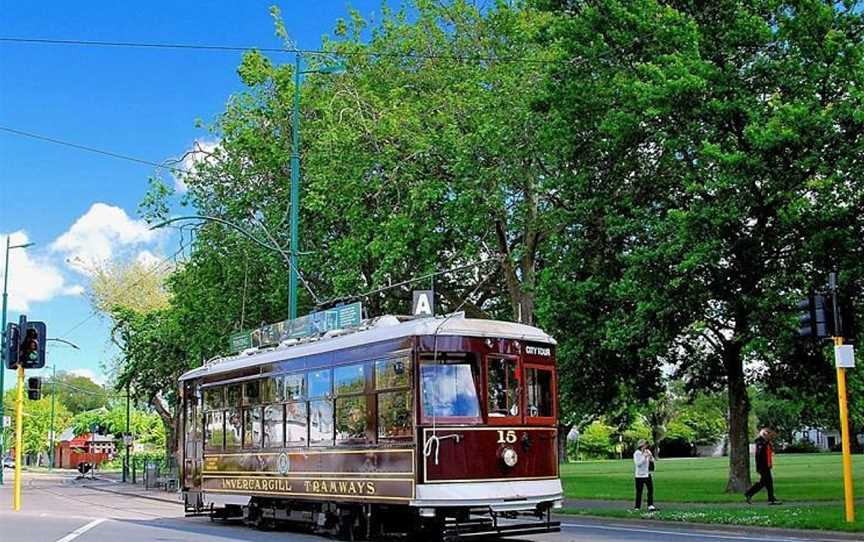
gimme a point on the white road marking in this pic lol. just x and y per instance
(684, 534)
(81, 530)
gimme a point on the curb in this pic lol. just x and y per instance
(134, 495)
(707, 528)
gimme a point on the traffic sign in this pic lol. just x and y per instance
(7, 421)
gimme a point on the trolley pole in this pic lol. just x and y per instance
(19, 438)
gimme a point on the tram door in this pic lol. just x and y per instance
(193, 436)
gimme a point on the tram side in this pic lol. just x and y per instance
(415, 433)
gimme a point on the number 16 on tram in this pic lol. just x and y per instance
(435, 426)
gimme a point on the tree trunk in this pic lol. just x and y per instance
(739, 410)
(169, 423)
(563, 431)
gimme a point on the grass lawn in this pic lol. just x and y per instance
(797, 477)
(825, 517)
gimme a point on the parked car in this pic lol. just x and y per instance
(8, 463)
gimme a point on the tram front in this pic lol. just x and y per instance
(488, 428)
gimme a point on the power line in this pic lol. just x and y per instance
(278, 50)
(95, 150)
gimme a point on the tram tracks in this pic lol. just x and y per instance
(90, 503)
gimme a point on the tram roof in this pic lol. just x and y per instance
(378, 330)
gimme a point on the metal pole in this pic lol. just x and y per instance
(295, 192)
(53, 399)
(19, 439)
(3, 355)
(128, 432)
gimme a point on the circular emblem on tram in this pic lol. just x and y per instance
(283, 464)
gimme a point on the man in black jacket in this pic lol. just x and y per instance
(764, 463)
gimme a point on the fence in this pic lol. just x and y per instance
(155, 472)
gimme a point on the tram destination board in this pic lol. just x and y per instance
(341, 317)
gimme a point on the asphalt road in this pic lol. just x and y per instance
(58, 509)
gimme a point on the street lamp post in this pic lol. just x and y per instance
(3, 343)
(295, 179)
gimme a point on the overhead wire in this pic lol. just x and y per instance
(277, 50)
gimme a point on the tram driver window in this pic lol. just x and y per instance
(448, 387)
(503, 387)
(539, 384)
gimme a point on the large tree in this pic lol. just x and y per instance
(722, 140)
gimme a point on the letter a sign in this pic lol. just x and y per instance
(424, 303)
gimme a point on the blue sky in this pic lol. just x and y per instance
(138, 102)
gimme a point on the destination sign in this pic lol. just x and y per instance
(382, 489)
(341, 317)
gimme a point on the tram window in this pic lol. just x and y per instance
(251, 427)
(503, 389)
(233, 428)
(350, 379)
(539, 384)
(393, 373)
(269, 390)
(213, 398)
(394, 414)
(214, 431)
(252, 392)
(449, 390)
(320, 422)
(295, 424)
(320, 383)
(233, 395)
(274, 426)
(294, 387)
(351, 418)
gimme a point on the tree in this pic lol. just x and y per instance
(133, 284)
(77, 393)
(714, 140)
(37, 422)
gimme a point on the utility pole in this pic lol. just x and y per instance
(295, 191)
(295, 178)
(3, 344)
(126, 437)
(53, 400)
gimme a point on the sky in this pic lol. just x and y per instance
(80, 208)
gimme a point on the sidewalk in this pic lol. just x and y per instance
(591, 504)
(110, 484)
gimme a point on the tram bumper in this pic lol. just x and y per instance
(497, 496)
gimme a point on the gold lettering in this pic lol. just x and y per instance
(333, 487)
(370, 488)
(351, 489)
(343, 486)
(306, 485)
(316, 486)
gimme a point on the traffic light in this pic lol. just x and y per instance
(10, 352)
(34, 388)
(816, 318)
(31, 352)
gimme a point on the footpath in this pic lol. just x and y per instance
(111, 483)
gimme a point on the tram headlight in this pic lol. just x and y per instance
(510, 457)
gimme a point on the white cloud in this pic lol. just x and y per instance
(32, 278)
(88, 373)
(201, 151)
(147, 259)
(98, 234)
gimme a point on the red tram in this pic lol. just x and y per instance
(443, 426)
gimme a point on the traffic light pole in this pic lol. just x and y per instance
(3, 357)
(848, 495)
(19, 438)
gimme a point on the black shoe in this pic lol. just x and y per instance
(748, 499)
(775, 502)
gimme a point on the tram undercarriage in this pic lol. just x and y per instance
(353, 521)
